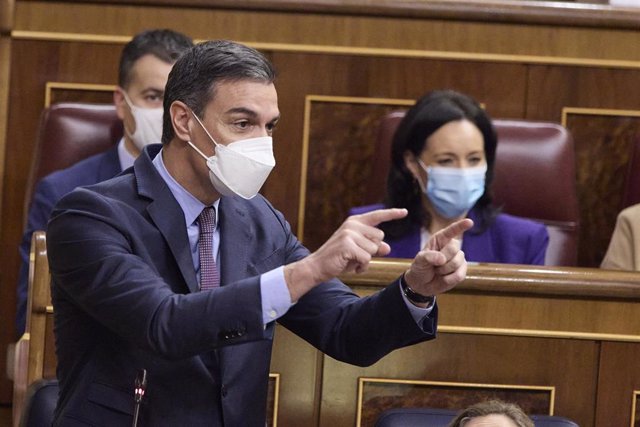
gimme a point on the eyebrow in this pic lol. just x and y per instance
(451, 153)
(153, 90)
(241, 110)
(248, 112)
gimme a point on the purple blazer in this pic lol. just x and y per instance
(509, 240)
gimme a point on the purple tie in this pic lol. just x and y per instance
(209, 277)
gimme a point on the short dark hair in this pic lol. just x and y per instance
(193, 78)
(493, 407)
(166, 45)
(430, 113)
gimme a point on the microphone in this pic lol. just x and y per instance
(140, 387)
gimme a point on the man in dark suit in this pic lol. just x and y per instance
(144, 67)
(179, 268)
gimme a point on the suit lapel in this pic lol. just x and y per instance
(166, 213)
(236, 236)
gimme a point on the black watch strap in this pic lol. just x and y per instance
(412, 295)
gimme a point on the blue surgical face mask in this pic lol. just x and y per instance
(453, 191)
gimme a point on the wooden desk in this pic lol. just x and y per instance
(562, 341)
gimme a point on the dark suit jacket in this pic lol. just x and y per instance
(509, 240)
(48, 191)
(125, 297)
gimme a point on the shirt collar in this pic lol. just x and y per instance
(191, 206)
(125, 157)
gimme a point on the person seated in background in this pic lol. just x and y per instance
(145, 63)
(623, 252)
(492, 413)
(442, 156)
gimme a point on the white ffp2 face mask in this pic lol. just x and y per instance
(148, 124)
(241, 167)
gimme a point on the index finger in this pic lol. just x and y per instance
(374, 218)
(444, 236)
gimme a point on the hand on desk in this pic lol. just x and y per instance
(436, 269)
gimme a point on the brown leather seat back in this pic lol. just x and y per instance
(534, 178)
(68, 133)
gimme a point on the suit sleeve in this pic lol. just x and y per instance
(354, 330)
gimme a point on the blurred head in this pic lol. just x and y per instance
(450, 134)
(493, 413)
(144, 67)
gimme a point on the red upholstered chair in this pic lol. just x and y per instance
(534, 178)
(68, 133)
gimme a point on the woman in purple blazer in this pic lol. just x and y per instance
(442, 157)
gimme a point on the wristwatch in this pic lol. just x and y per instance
(413, 296)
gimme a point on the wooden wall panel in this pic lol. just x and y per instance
(635, 413)
(81, 93)
(620, 376)
(300, 75)
(610, 139)
(339, 163)
(300, 368)
(272, 400)
(376, 395)
(514, 361)
(554, 87)
(5, 53)
(318, 28)
(7, 293)
(6, 16)
(602, 142)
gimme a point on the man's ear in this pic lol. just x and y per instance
(180, 118)
(412, 164)
(119, 102)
